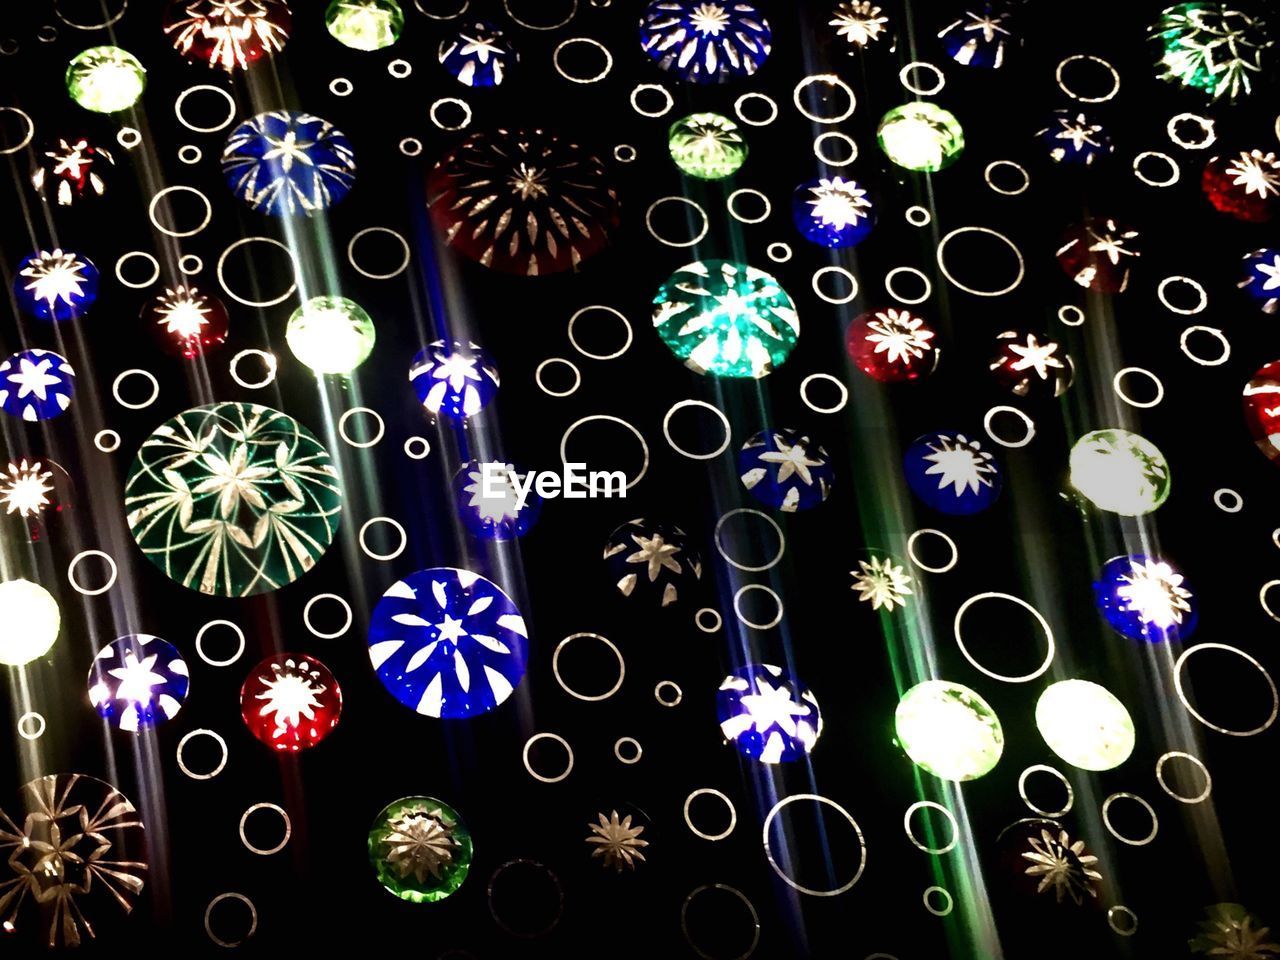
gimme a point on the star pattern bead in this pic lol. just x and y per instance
(785, 470)
(652, 559)
(768, 714)
(616, 842)
(36, 385)
(882, 583)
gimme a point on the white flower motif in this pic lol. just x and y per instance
(899, 334)
(882, 583)
(839, 203)
(1155, 593)
(961, 463)
(1257, 172)
(859, 22)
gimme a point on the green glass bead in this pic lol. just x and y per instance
(920, 136)
(707, 146)
(330, 334)
(420, 849)
(949, 730)
(1120, 472)
(106, 79)
(365, 24)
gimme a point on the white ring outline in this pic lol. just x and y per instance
(727, 888)
(657, 693)
(938, 912)
(768, 206)
(351, 258)
(706, 222)
(564, 441)
(911, 548)
(1175, 754)
(573, 11)
(1062, 779)
(783, 251)
(1106, 818)
(709, 792)
(364, 548)
(155, 389)
(399, 68)
(942, 263)
(1026, 177)
(253, 923)
(1115, 928)
(180, 234)
(835, 135)
(928, 217)
(266, 851)
(1115, 78)
(24, 734)
(680, 405)
(595, 698)
(629, 158)
(1039, 617)
(917, 90)
(364, 444)
(186, 266)
(230, 660)
(1262, 593)
(1218, 497)
(268, 358)
(341, 87)
(436, 120)
(426, 448)
(1078, 312)
(862, 847)
(31, 130)
(755, 95)
(190, 735)
(155, 265)
(617, 750)
(1207, 128)
(1003, 408)
(231, 114)
(671, 101)
(715, 537)
(931, 805)
(1212, 331)
(71, 572)
(130, 134)
(823, 271)
(737, 606)
(577, 375)
(1173, 165)
(222, 260)
(548, 736)
(608, 59)
(100, 435)
(1199, 308)
(1177, 685)
(411, 146)
(601, 356)
(831, 80)
(1141, 405)
(306, 616)
(697, 620)
(804, 393)
(888, 285)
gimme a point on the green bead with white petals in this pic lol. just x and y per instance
(106, 79)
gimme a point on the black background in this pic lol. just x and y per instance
(1032, 544)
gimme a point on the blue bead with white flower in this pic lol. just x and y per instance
(768, 714)
(36, 385)
(1262, 278)
(652, 559)
(832, 212)
(978, 36)
(1072, 137)
(478, 55)
(495, 511)
(705, 41)
(448, 643)
(453, 378)
(1145, 598)
(138, 681)
(286, 162)
(56, 285)
(952, 473)
(785, 470)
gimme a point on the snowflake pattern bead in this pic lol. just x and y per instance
(785, 470)
(448, 643)
(1262, 278)
(1245, 185)
(1043, 864)
(768, 714)
(726, 319)
(832, 212)
(859, 23)
(36, 385)
(892, 345)
(952, 474)
(285, 162)
(233, 499)
(707, 146)
(882, 582)
(978, 37)
(1145, 598)
(420, 849)
(71, 170)
(34, 495)
(228, 34)
(523, 201)
(1031, 365)
(56, 285)
(106, 79)
(453, 378)
(1074, 138)
(186, 322)
(1120, 472)
(920, 136)
(705, 42)
(290, 702)
(1262, 411)
(616, 841)
(652, 559)
(1099, 253)
(138, 681)
(364, 24)
(501, 517)
(1212, 47)
(478, 55)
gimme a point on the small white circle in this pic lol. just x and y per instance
(905, 77)
(1228, 500)
(190, 264)
(1039, 618)
(332, 635)
(1088, 58)
(170, 231)
(1117, 384)
(710, 792)
(417, 448)
(1202, 295)
(600, 356)
(1208, 133)
(155, 389)
(931, 805)
(364, 547)
(888, 285)
(666, 430)
(446, 101)
(733, 212)
(1106, 818)
(240, 644)
(558, 739)
(1175, 172)
(918, 216)
(1126, 930)
(747, 98)
(632, 744)
(840, 272)
(182, 763)
(716, 624)
(108, 441)
(577, 377)
(27, 733)
(129, 137)
(363, 444)
(648, 221)
(850, 145)
(210, 88)
(804, 393)
(590, 698)
(1029, 425)
(268, 361)
(1072, 311)
(75, 562)
(911, 550)
(604, 72)
(778, 251)
(995, 164)
(399, 68)
(675, 699)
(772, 562)
(1181, 798)
(132, 284)
(266, 851)
(737, 606)
(400, 267)
(832, 82)
(1056, 774)
(1221, 337)
(644, 87)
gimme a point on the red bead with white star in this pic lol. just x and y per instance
(1245, 185)
(892, 345)
(1030, 365)
(290, 702)
(1099, 254)
(186, 321)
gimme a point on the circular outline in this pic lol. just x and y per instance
(128, 255)
(555, 882)
(341, 87)
(182, 764)
(253, 924)
(1003, 408)
(911, 547)
(71, 573)
(230, 660)
(601, 356)
(404, 539)
(713, 792)
(684, 920)
(1125, 795)
(1217, 500)
(1212, 331)
(40, 730)
(1204, 296)
(782, 547)
(1208, 777)
(288, 829)
(779, 257)
(1062, 778)
(835, 135)
(928, 217)
(914, 65)
(555, 59)
(1177, 170)
(648, 222)
(410, 146)
(1026, 177)
(737, 600)
(671, 101)
(862, 846)
(124, 6)
(617, 750)
(97, 441)
(888, 285)
(180, 234)
(951, 903)
(351, 259)
(436, 120)
(155, 389)
(697, 619)
(306, 616)
(831, 80)
(400, 68)
(804, 395)
(555, 667)
(768, 205)
(564, 441)
(537, 377)
(1146, 404)
(231, 115)
(1067, 323)
(549, 736)
(942, 263)
(617, 153)
(31, 129)
(755, 95)
(573, 11)
(186, 267)
(365, 445)
(821, 271)
(657, 695)
(1044, 626)
(1177, 685)
(271, 363)
(132, 135)
(666, 430)
(1115, 78)
(426, 452)
(1121, 908)
(222, 260)
(1207, 127)
(955, 827)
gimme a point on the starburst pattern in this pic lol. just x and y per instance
(707, 145)
(36, 385)
(291, 693)
(859, 22)
(479, 55)
(1230, 932)
(1062, 865)
(420, 849)
(73, 169)
(977, 39)
(1211, 47)
(882, 583)
(768, 714)
(286, 162)
(56, 284)
(138, 681)
(616, 841)
(25, 491)
(1154, 591)
(705, 42)
(651, 557)
(960, 463)
(785, 470)
(228, 33)
(899, 335)
(1098, 254)
(1257, 172)
(453, 378)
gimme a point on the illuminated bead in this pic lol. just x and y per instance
(420, 849)
(453, 378)
(290, 702)
(767, 714)
(330, 334)
(952, 473)
(1145, 598)
(56, 285)
(832, 212)
(285, 162)
(227, 34)
(948, 730)
(70, 170)
(785, 470)
(138, 681)
(726, 319)
(1046, 868)
(1074, 138)
(35, 494)
(653, 560)
(1261, 411)
(705, 41)
(478, 55)
(1031, 365)
(1262, 278)
(31, 621)
(364, 24)
(36, 385)
(106, 79)
(707, 146)
(186, 322)
(1245, 185)
(500, 517)
(978, 39)
(1099, 253)
(1212, 47)
(920, 136)
(860, 23)
(1085, 725)
(1120, 472)
(892, 345)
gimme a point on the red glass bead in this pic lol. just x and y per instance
(1262, 409)
(290, 702)
(227, 33)
(70, 169)
(187, 322)
(892, 345)
(35, 497)
(1245, 185)
(1099, 253)
(1029, 365)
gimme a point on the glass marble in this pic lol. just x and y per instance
(364, 24)
(31, 621)
(707, 146)
(1261, 281)
(106, 79)
(652, 559)
(330, 334)
(138, 681)
(979, 36)
(186, 322)
(36, 385)
(286, 162)
(56, 285)
(1085, 725)
(952, 473)
(892, 345)
(1030, 365)
(1099, 253)
(705, 42)
(72, 170)
(921, 136)
(420, 849)
(948, 730)
(290, 702)
(1075, 139)
(768, 714)
(36, 495)
(453, 378)
(1261, 412)
(832, 212)
(1244, 185)
(1120, 472)
(479, 55)
(785, 470)
(1145, 598)
(500, 517)
(227, 34)
(1211, 47)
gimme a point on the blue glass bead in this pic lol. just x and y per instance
(138, 681)
(1145, 598)
(832, 212)
(499, 517)
(977, 38)
(652, 559)
(952, 473)
(785, 470)
(1074, 138)
(1262, 278)
(453, 378)
(705, 42)
(478, 55)
(768, 714)
(285, 162)
(56, 285)
(36, 385)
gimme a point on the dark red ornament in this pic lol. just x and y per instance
(892, 345)
(228, 34)
(1099, 253)
(35, 496)
(1245, 185)
(1031, 365)
(186, 322)
(71, 169)
(290, 702)
(1262, 409)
